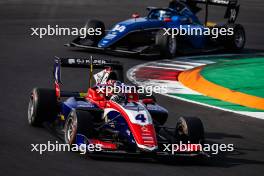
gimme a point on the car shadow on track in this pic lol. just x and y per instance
(240, 155)
(223, 159)
(217, 135)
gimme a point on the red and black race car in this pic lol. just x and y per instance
(126, 122)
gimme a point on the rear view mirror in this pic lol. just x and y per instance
(148, 101)
(135, 15)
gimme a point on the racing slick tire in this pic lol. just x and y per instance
(78, 122)
(166, 44)
(236, 41)
(95, 24)
(42, 106)
(190, 129)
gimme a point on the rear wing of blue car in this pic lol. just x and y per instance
(89, 63)
(231, 12)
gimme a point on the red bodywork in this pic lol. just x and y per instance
(144, 135)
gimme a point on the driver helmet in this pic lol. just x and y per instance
(175, 4)
(112, 78)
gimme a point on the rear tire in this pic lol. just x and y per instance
(236, 41)
(95, 24)
(42, 106)
(78, 122)
(190, 129)
(166, 44)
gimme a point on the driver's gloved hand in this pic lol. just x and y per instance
(117, 98)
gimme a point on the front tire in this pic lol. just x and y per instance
(236, 41)
(190, 129)
(166, 44)
(95, 24)
(78, 122)
(42, 106)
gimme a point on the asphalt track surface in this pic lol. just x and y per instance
(26, 62)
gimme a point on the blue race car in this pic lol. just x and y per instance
(152, 34)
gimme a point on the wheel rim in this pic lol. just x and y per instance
(70, 131)
(239, 39)
(31, 109)
(182, 128)
(172, 45)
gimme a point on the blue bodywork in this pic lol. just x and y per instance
(116, 121)
(73, 103)
(156, 20)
